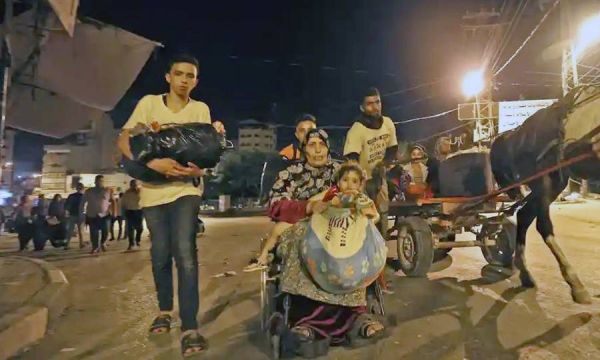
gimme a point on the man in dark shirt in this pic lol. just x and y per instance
(74, 217)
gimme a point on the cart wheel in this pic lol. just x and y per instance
(502, 253)
(415, 246)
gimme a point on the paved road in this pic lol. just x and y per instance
(454, 314)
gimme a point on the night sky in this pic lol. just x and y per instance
(272, 60)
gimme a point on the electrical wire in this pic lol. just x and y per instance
(511, 29)
(395, 122)
(414, 87)
(426, 117)
(528, 38)
(492, 39)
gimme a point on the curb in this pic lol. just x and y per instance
(26, 326)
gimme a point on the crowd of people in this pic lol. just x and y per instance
(301, 191)
(171, 210)
(98, 209)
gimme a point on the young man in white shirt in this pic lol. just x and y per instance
(372, 141)
(171, 210)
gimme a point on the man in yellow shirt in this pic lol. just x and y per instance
(372, 138)
(171, 210)
(304, 123)
(372, 142)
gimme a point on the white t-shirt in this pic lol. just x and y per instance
(370, 144)
(150, 109)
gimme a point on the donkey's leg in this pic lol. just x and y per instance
(525, 217)
(545, 228)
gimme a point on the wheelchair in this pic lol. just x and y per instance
(271, 293)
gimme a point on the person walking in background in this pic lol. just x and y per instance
(117, 217)
(134, 215)
(23, 218)
(40, 214)
(125, 226)
(56, 208)
(74, 215)
(97, 213)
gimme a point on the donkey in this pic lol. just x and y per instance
(551, 135)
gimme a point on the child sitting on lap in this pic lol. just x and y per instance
(348, 190)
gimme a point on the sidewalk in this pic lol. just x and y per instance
(33, 294)
(20, 280)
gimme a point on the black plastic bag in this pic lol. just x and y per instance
(198, 143)
(143, 173)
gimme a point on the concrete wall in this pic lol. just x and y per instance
(257, 138)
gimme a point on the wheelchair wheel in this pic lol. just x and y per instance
(268, 293)
(375, 304)
(275, 343)
(274, 331)
(264, 299)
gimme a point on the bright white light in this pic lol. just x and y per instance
(588, 35)
(473, 83)
(36, 175)
(8, 164)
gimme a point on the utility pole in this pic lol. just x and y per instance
(480, 29)
(570, 76)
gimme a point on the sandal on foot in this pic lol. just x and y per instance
(366, 331)
(193, 344)
(161, 325)
(304, 333)
(302, 340)
(370, 328)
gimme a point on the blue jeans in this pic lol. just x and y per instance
(173, 229)
(74, 222)
(98, 230)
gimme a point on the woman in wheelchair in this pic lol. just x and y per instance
(294, 187)
(320, 318)
(320, 310)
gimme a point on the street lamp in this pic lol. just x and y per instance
(473, 83)
(588, 35)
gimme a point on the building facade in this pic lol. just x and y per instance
(90, 151)
(255, 135)
(7, 159)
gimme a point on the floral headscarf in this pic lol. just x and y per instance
(319, 133)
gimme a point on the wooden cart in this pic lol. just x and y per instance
(426, 231)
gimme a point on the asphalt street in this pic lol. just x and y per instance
(461, 311)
